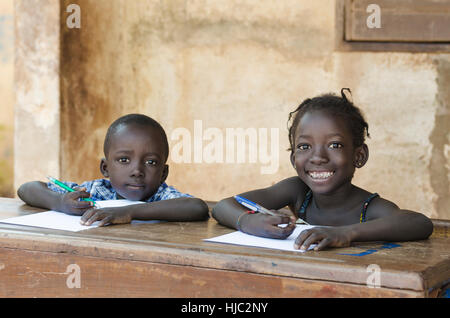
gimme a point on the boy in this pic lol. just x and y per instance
(136, 151)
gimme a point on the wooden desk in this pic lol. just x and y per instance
(172, 260)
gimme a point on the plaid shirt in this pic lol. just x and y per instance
(101, 189)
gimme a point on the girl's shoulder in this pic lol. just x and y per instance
(292, 185)
(380, 207)
(294, 189)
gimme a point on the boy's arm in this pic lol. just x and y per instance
(179, 209)
(227, 212)
(36, 193)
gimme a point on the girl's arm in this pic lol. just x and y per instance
(228, 212)
(179, 209)
(386, 223)
(36, 193)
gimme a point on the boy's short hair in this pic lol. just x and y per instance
(135, 119)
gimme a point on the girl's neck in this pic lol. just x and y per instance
(337, 200)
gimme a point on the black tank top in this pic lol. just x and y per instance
(362, 218)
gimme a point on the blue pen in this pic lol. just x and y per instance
(256, 207)
(252, 205)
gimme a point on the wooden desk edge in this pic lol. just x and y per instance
(159, 253)
(162, 253)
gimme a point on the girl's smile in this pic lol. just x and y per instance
(320, 178)
(320, 175)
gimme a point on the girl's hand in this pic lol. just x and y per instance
(70, 202)
(323, 237)
(106, 216)
(264, 225)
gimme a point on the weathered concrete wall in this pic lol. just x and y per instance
(6, 96)
(246, 64)
(37, 136)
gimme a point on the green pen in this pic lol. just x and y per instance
(65, 187)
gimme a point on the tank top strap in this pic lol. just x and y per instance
(305, 203)
(366, 203)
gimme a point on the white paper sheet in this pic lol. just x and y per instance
(240, 238)
(61, 221)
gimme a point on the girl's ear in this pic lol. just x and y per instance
(292, 159)
(104, 168)
(361, 156)
(165, 173)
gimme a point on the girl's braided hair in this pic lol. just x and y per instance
(336, 106)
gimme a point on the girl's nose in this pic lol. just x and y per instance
(319, 156)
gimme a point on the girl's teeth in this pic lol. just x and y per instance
(321, 175)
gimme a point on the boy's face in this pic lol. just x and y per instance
(135, 162)
(324, 155)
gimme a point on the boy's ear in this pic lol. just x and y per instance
(361, 156)
(165, 173)
(104, 168)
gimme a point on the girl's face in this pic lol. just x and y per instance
(323, 154)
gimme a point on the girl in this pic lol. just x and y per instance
(327, 137)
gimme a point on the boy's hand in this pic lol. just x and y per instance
(70, 202)
(267, 225)
(323, 237)
(106, 216)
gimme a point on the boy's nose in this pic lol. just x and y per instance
(137, 171)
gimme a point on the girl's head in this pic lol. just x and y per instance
(336, 106)
(326, 138)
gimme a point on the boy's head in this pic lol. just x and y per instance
(136, 151)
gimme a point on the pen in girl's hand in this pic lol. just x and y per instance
(253, 206)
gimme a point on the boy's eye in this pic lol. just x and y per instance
(123, 160)
(303, 146)
(335, 145)
(151, 162)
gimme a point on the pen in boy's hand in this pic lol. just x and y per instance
(65, 187)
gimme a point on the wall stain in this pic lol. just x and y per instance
(439, 163)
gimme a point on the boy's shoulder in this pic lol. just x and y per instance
(100, 189)
(166, 192)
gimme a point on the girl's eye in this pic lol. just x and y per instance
(151, 162)
(123, 160)
(335, 145)
(303, 147)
